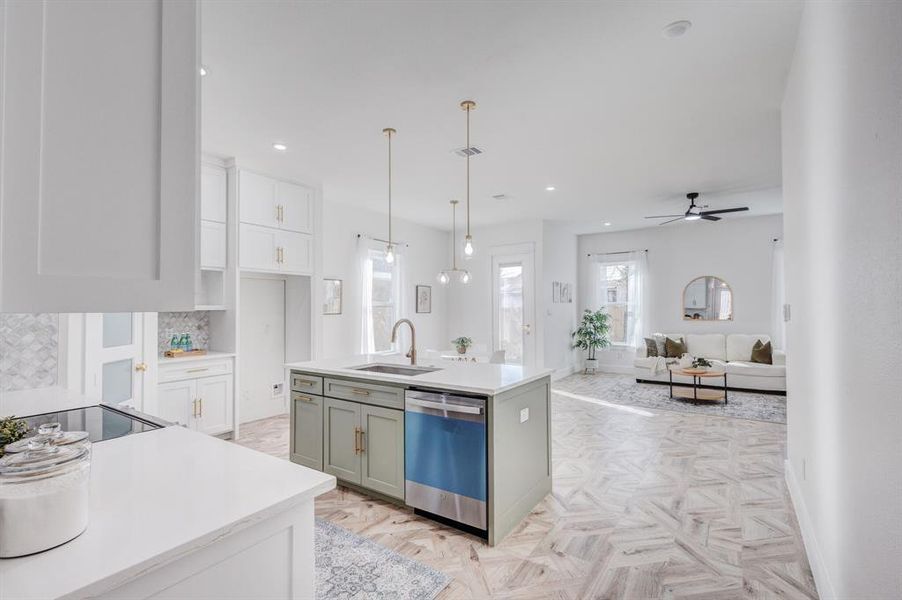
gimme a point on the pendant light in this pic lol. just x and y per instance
(468, 105)
(389, 250)
(462, 275)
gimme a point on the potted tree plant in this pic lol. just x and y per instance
(591, 335)
(462, 343)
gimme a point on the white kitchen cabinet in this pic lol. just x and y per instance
(273, 203)
(274, 251)
(257, 248)
(296, 255)
(257, 199)
(213, 248)
(213, 193)
(197, 393)
(214, 397)
(294, 206)
(176, 402)
(100, 177)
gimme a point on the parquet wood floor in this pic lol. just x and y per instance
(645, 504)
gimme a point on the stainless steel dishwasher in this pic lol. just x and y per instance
(445, 456)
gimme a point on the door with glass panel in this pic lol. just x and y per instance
(513, 312)
(118, 350)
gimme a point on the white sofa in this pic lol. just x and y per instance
(732, 353)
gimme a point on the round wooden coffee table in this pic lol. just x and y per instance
(693, 391)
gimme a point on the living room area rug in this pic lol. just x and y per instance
(351, 567)
(623, 390)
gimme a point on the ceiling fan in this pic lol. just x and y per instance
(693, 214)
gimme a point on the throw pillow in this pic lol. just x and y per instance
(674, 349)
(651, 348)
(762, 353)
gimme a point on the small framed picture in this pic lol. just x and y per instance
(331, 296)
(424, 298)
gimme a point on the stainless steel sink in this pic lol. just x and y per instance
(394, 369)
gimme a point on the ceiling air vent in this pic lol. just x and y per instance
(471, 151)
(501, 196)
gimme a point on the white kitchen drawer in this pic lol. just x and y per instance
(194, 368)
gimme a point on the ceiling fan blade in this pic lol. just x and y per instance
(710, 218)
(680, 218)
(723, 210)
(663, 216)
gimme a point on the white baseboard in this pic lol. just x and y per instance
(564, 372)
(821, 577)
(618, 369)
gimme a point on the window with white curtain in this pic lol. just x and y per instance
(618, 287)
(383, 303)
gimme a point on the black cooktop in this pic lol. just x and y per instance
(101, 422)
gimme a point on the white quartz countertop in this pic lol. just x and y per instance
(155, 496)
(476, 378)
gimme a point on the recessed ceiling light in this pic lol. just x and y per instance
(204, 70)
(607, 223)
(279, 147)
(549, 188)
(677, 28)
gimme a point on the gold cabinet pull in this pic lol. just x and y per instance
(362, 445)
(194, 408)
(198, 370)
(283, 254)
(360, 392)
(304, 382)
(200, 403)
(357, 440)
(304, 398)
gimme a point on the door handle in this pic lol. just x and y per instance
(527, 328)
(141, 367)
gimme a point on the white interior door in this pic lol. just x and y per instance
(513, 304)
(119, 348)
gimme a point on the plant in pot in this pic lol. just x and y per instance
(702, 364)
(462, 343)
(592, 334)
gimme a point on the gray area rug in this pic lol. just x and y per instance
(622, 389)
(352, 567)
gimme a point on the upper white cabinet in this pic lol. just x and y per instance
(213, 193)
(272, 203)
(276, 228)
(100, 172)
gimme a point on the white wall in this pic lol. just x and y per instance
(738, 250)
(842, 172)
(554, 248)
(560, 260)
(427, 253)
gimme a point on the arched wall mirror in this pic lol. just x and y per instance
(707, 298)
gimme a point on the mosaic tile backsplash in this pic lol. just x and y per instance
(196, 324)
(29, 350)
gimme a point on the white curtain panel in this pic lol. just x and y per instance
(638, 296)
(402, 304)
(365, 277)
(778, 329)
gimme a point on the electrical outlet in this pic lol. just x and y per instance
(787, 313)
(277, 390)
(524, 415)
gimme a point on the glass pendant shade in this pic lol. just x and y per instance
(468, 247)
(443, 278)
(464, 277)
(389, 255)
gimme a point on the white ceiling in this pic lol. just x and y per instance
(589, 97)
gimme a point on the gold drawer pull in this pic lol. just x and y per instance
(304, 382)
(304, 398)
(198, 370)
(360, 392)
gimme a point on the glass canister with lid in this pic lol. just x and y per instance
(44, 492)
